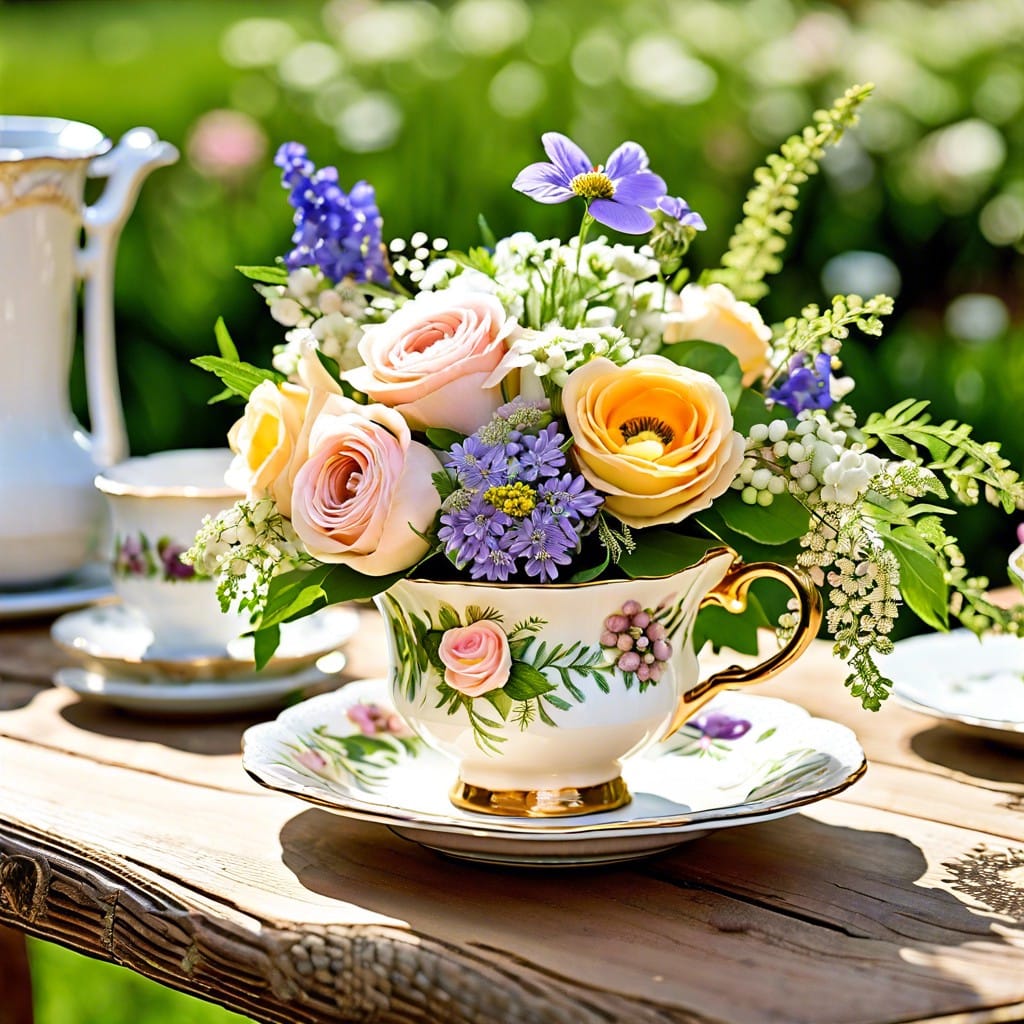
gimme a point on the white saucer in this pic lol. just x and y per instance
(195, 699)
(90, 584)
(681, 789)
(971, 684)
(113, 640)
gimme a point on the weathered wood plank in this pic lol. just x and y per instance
(840, 915)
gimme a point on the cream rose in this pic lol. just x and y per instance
(431, 358)
(270, 441)
(365, 489)
(655, 438)
(715, 314)
(476, 658)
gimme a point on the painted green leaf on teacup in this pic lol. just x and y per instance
(790, 774)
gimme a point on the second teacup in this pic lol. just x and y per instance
(157, 503)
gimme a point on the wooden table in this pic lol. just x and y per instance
(144, 843)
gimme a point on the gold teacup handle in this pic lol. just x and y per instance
(731, 594)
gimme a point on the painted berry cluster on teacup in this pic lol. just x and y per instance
(475, 658)
(136, 555)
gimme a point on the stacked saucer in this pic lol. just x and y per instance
(122, 664)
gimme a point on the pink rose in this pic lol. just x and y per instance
(365, 489)
(431, 358)
(476, 658)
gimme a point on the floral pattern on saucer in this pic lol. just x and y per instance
(348, 752)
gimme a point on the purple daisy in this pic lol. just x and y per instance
(544, 542)
(541, 455)
(470, 534)
(569, 496)
(618, 194)
(478, 464)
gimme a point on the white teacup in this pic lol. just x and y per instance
(157, 503)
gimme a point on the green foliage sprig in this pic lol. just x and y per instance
(759, 239)
(812, 331)
(969, 465)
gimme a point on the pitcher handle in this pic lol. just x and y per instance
(124, 167)
(731, 594)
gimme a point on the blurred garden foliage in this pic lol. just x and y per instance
(439, 105)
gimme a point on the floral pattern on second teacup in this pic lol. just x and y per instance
(135, 555)
(473, 656)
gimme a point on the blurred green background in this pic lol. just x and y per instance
(440, 104)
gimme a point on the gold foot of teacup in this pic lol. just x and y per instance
(541, 803)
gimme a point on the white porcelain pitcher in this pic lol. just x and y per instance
(50, 513)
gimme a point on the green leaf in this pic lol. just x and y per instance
(447, 616)
(238, 377)
(224, 343)
(525, 682)
(714, 360)
(486, 234)
(783, 520)
(227, 395)
(443, 439)
(432, 645)
(291, 593)
(265, 641)
(922, 580)
(265, 275)
(501, 702)
(726, 629)
(586, 575)
(444, 483)
(345, 584)
(661, 552)
(750, 409)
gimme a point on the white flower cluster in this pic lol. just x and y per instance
(309, 304)
(813, 461)
(245, 547)
(845, 549)
(552, 354)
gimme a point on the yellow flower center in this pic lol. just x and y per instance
(516, 499)
(593, 185)
(646, 437)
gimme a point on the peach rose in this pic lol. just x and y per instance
(270, 441)
(364, 489)
(715, 314)
(655, 438)
(431, 358)
(476, 658)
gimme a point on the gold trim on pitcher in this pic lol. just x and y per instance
(541, 803)
(51, 191)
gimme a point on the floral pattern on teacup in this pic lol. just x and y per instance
(476, 660)
(136, 555)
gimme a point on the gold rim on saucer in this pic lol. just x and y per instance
(541, 803)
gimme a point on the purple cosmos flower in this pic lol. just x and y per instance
(542, 539)
(679, 209)
(805, 387)
(569, 496)
(716, 725)
(477, 464)
(541, 455)
(495, 565)
(339, 233)
(618, 194)
(469, 534)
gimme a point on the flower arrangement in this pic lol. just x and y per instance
(533, 410)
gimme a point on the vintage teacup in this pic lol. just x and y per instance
(157, 503)
(538, 693)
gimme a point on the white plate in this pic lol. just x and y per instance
(682, 789)
(975, 685)
(113, 640)
(88, 585)
(195, 699)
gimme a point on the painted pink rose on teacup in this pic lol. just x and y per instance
(476, 658)
(431, 358)
(365, 489)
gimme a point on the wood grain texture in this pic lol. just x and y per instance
(144, 843)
